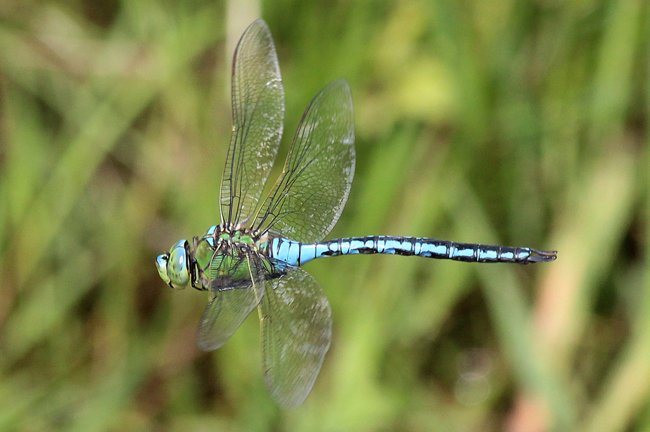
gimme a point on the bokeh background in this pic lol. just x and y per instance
(515, 122)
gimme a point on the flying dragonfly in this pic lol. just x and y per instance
(253, 257)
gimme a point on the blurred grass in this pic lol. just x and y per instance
(515, 122)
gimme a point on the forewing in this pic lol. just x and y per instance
(309, 196)
(258, 116)
(296, 326)
(232, 300)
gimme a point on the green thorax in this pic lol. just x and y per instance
(222, 256)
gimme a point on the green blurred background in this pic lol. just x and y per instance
(509, 122)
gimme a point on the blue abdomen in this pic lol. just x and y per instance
(296, 253)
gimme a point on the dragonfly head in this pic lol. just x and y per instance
(174, 267)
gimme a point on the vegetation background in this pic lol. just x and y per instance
(513, 122)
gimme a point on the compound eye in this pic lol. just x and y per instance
(178, 271)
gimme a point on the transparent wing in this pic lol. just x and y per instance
(258, 116)
(296, 325)
(232, 300)
(309, 196)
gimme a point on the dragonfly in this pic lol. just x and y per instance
(253, 258)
